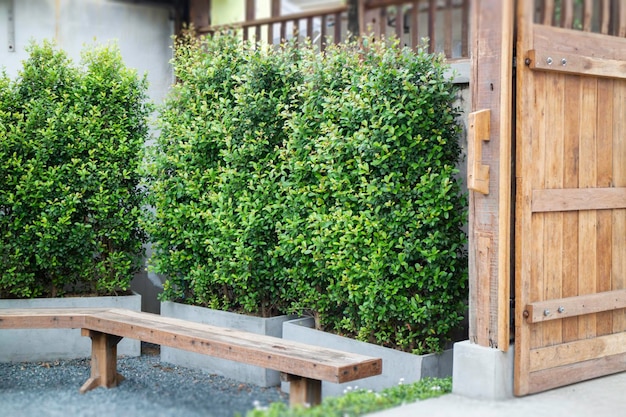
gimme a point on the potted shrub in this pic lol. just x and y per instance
(289, 181)
(71, 141)
(374, 222)
(215, 192)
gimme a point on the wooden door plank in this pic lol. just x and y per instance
(557, 377)
(587, 219)
(577, 351)
(574, 306)
(576, 43)
(604, 217)
(526, 99)
(619, 216)
(577, 199)
(570, 219)
(538, 167)
(568, 63)
(553, 222)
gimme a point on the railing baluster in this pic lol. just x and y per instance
(622, 20)
(432, 19)
(588, 15)
(465, 17)
(283, 31)
(323, 32)
(415, 24)
(337, 27)
(447, 45)
(399, 22)
(382, 21)
(548, 12)
(606, 16)
(309, 28)
(567, 11)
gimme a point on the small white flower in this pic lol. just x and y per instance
(436, 388)
(401, 381)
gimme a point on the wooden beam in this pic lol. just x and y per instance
(577, 351)
(546, 60)
(575, 306)
(303, 391)
(490, 214)
(103, 361)
(576, 199)
(200, 13)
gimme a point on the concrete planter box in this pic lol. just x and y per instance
(397, 365)
(272, 326)
(32, 345)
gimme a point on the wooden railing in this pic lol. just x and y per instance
(445, 23)
(607, 17)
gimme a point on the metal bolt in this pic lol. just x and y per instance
(549, 61)
(561, 309)
(564, 62)
(546, 312)
(527, 61)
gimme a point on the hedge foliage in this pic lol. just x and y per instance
(71, 141)
(285, 180)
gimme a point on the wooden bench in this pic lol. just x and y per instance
(302, 365)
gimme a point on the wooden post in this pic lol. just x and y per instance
(200, 13)
(103, 361)
(303, 391)
(490, 212)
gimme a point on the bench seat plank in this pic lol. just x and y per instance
(46, 318)
(265, 351)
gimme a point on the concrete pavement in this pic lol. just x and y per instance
(601, 397)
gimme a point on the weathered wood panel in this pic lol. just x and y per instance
(570, 225)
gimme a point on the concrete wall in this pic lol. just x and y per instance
(143, 32)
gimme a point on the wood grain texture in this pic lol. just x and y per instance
(577, 199)
(559, 308)
(491, 84)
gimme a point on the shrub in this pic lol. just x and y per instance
(359, 402)
(215, 183)
(70, 147)
(286, 180)
(373, 214)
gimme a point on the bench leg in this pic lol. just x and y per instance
(103, 361)
(303, 391)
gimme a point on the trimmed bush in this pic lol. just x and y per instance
(71, 141)
(287, 180)
(216, 186)
(373, 214)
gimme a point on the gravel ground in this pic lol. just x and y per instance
(151, 388)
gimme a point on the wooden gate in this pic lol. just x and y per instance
(570, 243)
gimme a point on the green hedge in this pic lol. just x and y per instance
(71, 141)
(374, 214)
(216, 187)
(286, 180)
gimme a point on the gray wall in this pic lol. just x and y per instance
(142, 31)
